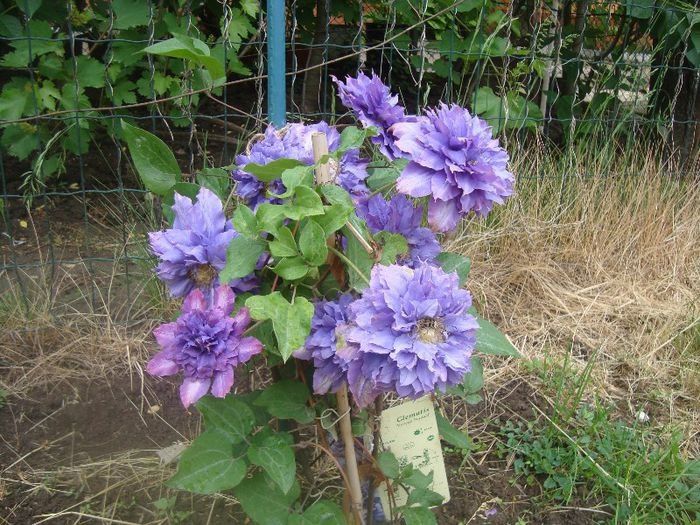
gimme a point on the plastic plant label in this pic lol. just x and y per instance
(410, 432)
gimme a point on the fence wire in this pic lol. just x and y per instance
(558, 72)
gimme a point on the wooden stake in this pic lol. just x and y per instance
(323, 176)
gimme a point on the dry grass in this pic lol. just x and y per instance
(604, 264)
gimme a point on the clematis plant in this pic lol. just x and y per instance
(316, 259)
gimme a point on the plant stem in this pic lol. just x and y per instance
(350, 459)
(351, 264)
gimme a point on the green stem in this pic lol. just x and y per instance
(349, 263)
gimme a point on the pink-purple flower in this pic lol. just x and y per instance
(206, 344)
(453, 159)
(325, 344)
(374, 105)
(410, 333)
(400, 215)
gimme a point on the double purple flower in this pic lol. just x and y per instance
(205, 344)
(454, 160)
(410, 333)
(374, 105)
(193, 252)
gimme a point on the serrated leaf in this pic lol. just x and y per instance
(264, 502)
(130, 13)
(189, 48)
(287, 399)
(272, 170)
(450, 434)
(228, 415)
(454, 262)
(389, 464)
(312, 243)
(153, 160)
(242, 256)
(276, 457)
(208, 465)
(90, 72)
(291, 322)
(28, 7)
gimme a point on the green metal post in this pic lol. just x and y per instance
(276, 85)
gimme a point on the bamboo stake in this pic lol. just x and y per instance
(323, 176)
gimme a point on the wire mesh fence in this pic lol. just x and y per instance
(560, 73)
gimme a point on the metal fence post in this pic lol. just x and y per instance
(276, 85)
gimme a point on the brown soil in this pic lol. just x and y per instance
(56, 430)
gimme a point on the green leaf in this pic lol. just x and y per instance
(216, 180)
(312, 243)
(244, 221)
(306, 203)
(264, 502)
(642, 9)
(418, 516)
(272, 170)
(250, 7)
(393, 245)
(297, 176)
(270, 216)
(90, 72)
(28, 7)
(130, 13)
(474, 380)
(284, 244)
(153, 160)
(208, 465)
(360, 258)
(322, 512)
(337, 195)
(424, 498)
(454, 262)
(21, 140)
(291, 322)
(276, 457)
(490, 340)
(291, 268)
(383, 175)
(189, 48)
(353, 137)
(12, 102)
(242, 256)
(334, 218)
(450, 434)
(228, 415)
(287, 399)
(389, 464)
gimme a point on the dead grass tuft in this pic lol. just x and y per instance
(606, 262)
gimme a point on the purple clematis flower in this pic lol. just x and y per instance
(374, 105)
(206, 344)
(325, 344)
(410, 333)
(193, 252)
(294, 142)
(400, 215)
(454, 159)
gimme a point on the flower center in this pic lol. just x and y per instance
(431, 330)
(203, 275)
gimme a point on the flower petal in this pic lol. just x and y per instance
(223, 382)
(162, 364)
(191, 390)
